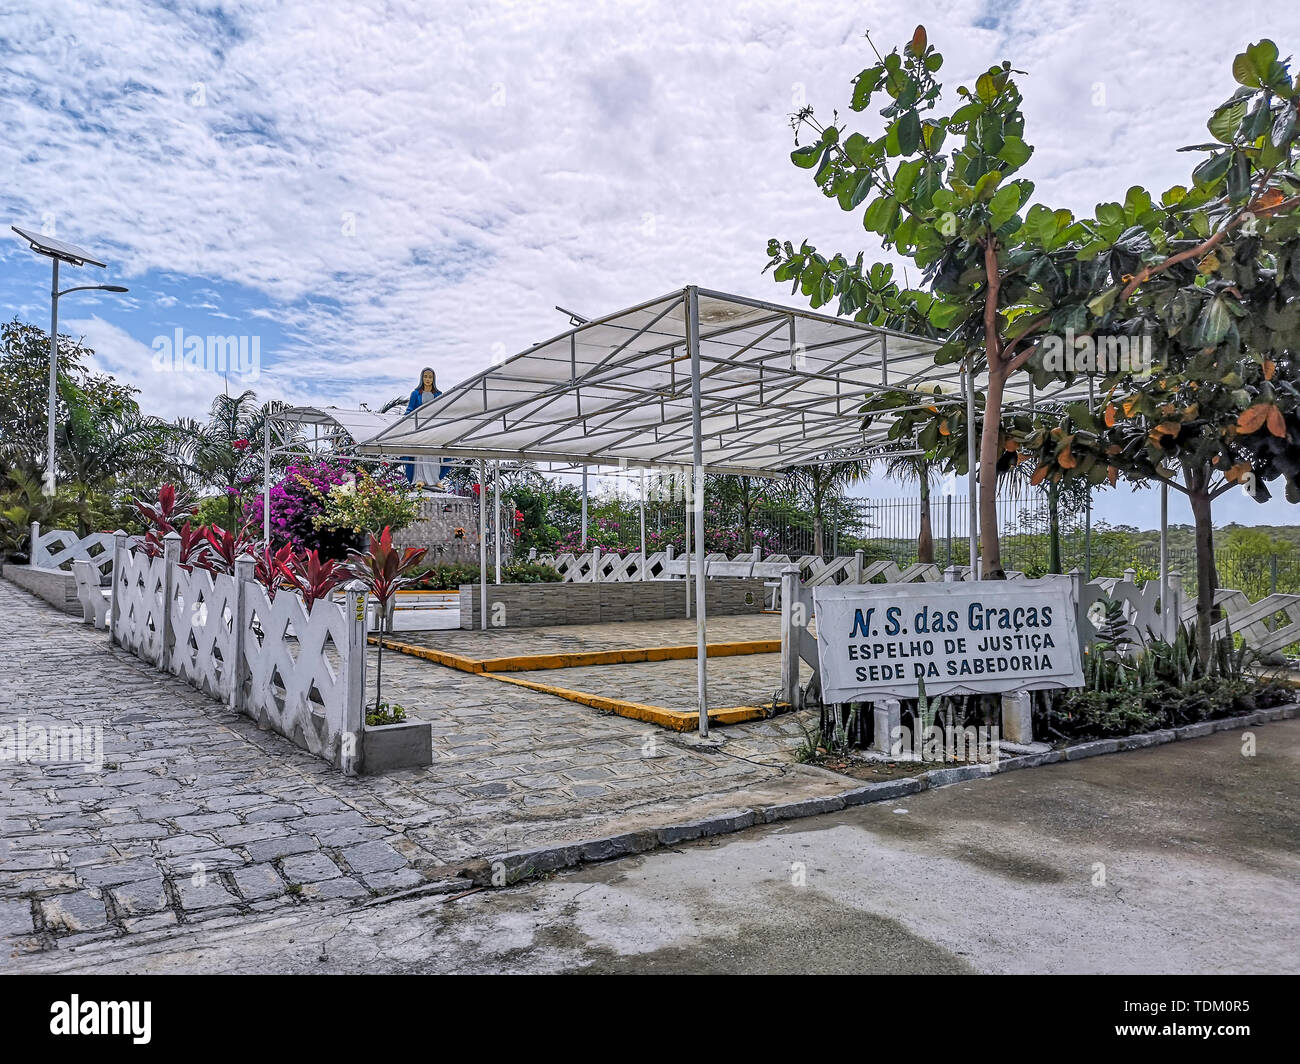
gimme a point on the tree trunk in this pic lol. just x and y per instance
(925, 541)
(1207, 577)
(990, 548)
(1053, 527)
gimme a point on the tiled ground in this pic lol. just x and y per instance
(197, 815)
(743, 680)
(561, 638)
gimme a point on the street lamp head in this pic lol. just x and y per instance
(113, 288)
(56, 249)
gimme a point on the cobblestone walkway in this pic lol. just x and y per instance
(197, 816)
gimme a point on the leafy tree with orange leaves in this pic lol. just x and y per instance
(1212, 276)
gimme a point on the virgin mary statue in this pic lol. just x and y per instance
(424, 471)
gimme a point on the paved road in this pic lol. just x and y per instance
(1178, 858)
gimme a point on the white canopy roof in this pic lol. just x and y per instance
(361, 425)
(779, 386)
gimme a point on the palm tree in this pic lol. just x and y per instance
(821, 481)
(226, 452)
(905, 462)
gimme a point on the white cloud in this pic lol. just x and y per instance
(409, 183)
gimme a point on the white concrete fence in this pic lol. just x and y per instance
(296, 671)
(1140, 606)
(58, 548)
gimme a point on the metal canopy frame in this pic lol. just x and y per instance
(777, 386)
(694, 381)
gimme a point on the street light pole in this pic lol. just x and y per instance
(58, 251)
(50, 410)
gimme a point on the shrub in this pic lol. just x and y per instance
(329, 504)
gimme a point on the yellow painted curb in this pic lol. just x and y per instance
(676, 719)
(578, 658)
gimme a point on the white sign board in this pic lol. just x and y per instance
(878, 640)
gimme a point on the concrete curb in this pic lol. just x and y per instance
(515, 866)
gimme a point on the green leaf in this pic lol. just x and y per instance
(1227, 120)
(1284, 126)
(861, 190)
(987, 185)
(1005, 203)
(858, 149)
(1262, 56)
(1211, 170)
(1213, 324)
(866, 84)
(905, 177)
(806, 157)
(986, 89)
(909, 133)
(945, 315)
(1100, 305)
(1244, 71)
(1239, 178)
(1015, 152)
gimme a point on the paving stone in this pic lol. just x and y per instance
(208, 892)
(128, 832)
(226, 802)
(334, 888)
(278, 811)
(241, 834)
(270, 849)
(260, 881)
(373, 857)
(82, 911)
(309, 868)
(105, 875)
(141, 897)
(383, 882)
(326, 821)
(206, 821)
(15, 917)
(341, 837)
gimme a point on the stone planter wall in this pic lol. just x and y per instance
(55, 586)
(534, 605)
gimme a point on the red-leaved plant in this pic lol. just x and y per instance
(268, 568)
(224, 547)
(384, 570)
(310, 577)
(162, 517)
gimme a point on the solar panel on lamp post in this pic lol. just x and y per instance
(58, 251)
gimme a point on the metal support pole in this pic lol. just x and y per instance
(482, 544)
(51, 411)
(584, 507)
(266, 480)
(496, 517)
(972, 488)
(686, 552)
(642, 566)
(697, 500)
(948, 520)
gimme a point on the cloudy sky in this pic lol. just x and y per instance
(366, 188)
